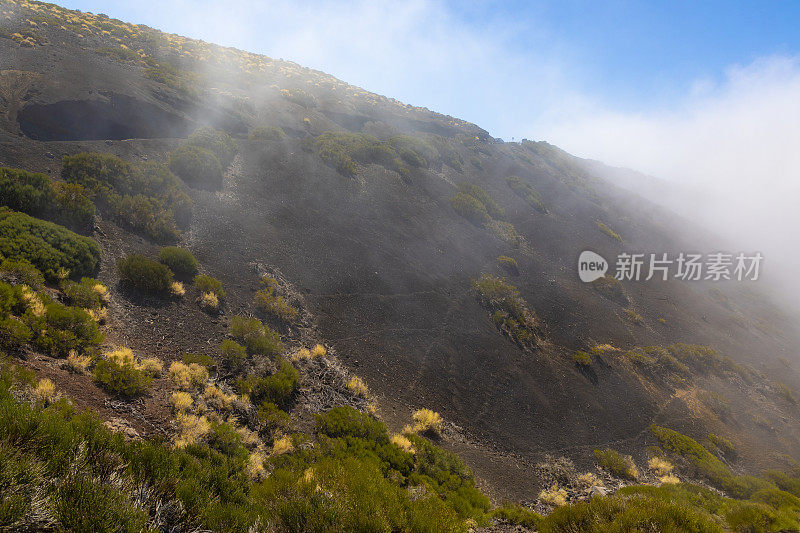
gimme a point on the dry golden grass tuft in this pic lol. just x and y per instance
(177, 289)
(426, 421)
(78, 363)
(357, 386)
(554, 496)
(660, 467)
(669, 479)
(45, 391)
(218, 399)
(181, 401)
(403, 443)
(191, 429)
(209, 300)
(282, 445)
(318, 351)
(588, 480)
(189, 376)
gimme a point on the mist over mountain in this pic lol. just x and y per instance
(300, 305)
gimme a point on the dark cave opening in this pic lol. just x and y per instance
(116, 117)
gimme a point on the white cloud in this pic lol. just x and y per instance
(737, 142)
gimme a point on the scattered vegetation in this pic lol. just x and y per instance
(526, 191)
(400, 153)
(144, 274)
(145, 197)
(49, 247)
(509, 311)
(634, 317)
(475, 204)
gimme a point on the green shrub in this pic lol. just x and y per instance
(36, 195)
(179, 260)
(509, 311)
(49, 247)
(144, 274)
(526, 191)
(21, 271)
(83, 294)
(470, 189)
(121, 376)
(217, 142)
(206, 283)
(470, 208)
(256, 337)
(14, 333)
(611, 288)
(277, 388)
(723, 445)
(271, 417)
(198, 167)
(621, 466)
(233, 354)
(262, 133)
(608, 231)
(517, 515)
(582, 358)
(269, 302)
(509, 264)
(84, 505)
(199, 358)
(145, 197)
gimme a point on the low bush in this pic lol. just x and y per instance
(268, 301)
(21, 272)
(217, 142)
(509, 264)
(475, 191)
(256, 337)
(36, 195)
(611, 288)
(427, 422)
(278, 388)
(470, 208)
(49, 247)
(616, 464)
(179, 260)
(89, 293)
(582, 358)
(198, 167)
(509, 310)
(233, 354)
(608, 231)
(120, 372)
(262, 133)
(144, 274)
(144, 197)
(526, 191)
(206, 283)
